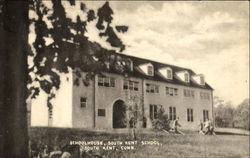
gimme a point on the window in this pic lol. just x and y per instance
(171, 91)
(112, 82)
(153, 111)
(167, 90)
(125, 84)
(83, 102)
(190, 117)
(172, 113)
(186, 77)
(147, 87)
(150, 70)
(188, 93)
(106, 81)
(101, 112)
(202, 80)
(205, 115)
(136, 86)
(204, 95)
(169, 73)
(152, 88)
(100, 81)
(131, 85)
(175, 91)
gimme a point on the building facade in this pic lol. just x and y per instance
(104, 102)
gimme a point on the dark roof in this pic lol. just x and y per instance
(157, 77)
(95, 47)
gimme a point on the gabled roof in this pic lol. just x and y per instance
(157, 77)
(95, 47)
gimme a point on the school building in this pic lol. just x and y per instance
(106, 101)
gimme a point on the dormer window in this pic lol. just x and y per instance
(150, 70)
(199, 79)
(186, 77)
(169, 73)
(202, 80)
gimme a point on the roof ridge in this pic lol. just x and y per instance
(150, 60)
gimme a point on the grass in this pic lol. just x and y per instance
(190, 145)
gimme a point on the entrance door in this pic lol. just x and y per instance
(119, 114)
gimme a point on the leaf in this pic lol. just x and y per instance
(122, 29)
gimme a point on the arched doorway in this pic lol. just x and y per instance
(119, 114)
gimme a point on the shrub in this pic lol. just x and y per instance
(161, 122)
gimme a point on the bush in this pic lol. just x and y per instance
(162, 122)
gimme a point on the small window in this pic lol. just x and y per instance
(205, 115)
(153, 111)
(171, 91)
(100, 81)
(147, 87)
(112, 82)
(150, 70)
(172, 113)
(190, 117)
(83, 102)
(202, 80)
(101, 112)
(125, 84)
(167, 90)
(106, 82)
(169, 73)
(152, 88)
(156, 89)
(131, 85)
(136, 86)
(186, 77)
(175, 91)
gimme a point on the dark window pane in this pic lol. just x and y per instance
(112, 82)
(106, 82)
(136, 86)
(151, 111)
(125, 84)
(100, 81)
(156, 89)
(131, 85)
(155, 111)
(101, 112)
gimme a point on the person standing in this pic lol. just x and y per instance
(201, 125)
(176, 125)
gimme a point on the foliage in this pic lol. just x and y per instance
(224, 115)
(161, 122)
(228, 116)
(70, 47)
(241, 115)
(134, 110)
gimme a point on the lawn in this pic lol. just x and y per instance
(189, 145)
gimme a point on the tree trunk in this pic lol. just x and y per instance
(14, 56)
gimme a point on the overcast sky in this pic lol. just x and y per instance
(211, 38)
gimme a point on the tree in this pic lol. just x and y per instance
(162, 122)
(224, 114)
(14, 64)
(241, 115)
(135, 117)
(48, 60)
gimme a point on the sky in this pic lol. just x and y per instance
(211, 38)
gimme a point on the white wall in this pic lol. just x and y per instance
(62, 106)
